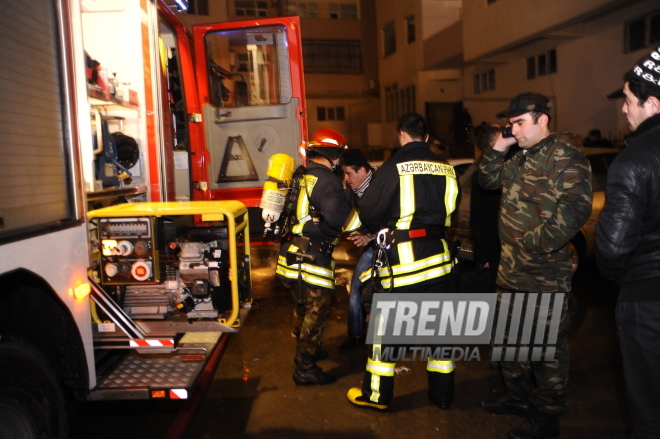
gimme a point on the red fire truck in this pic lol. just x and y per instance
(134, 152)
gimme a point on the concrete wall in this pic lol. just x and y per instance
(590, 66)
(506, 23)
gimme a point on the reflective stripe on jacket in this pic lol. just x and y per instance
(412, 190)
(321, 189)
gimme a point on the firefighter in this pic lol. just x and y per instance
(305, 260)
(410, 200)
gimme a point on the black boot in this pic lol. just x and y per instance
(538, 425)
(308, 373)
(507, 404)
(441, 388)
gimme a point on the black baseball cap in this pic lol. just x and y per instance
(526, 102)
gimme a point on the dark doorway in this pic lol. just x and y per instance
(451, 125)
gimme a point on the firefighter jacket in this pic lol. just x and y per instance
(320, 189)
(416, 193)
(546, 199)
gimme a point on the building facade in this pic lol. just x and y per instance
(420, 57)
(367, 62)
(573, 52)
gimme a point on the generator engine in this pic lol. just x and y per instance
(156, 267)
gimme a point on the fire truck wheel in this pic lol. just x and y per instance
(31, 400)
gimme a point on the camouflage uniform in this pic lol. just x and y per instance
(546, 199)
(311, 318)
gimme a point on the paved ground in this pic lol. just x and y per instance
(253, 394)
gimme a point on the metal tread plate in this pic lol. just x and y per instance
(142, 372)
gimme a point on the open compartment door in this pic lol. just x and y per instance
(252, 98)
(179, 107)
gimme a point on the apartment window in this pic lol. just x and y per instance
(304, 9)
(330, 113)
(332, 56)
(484, 81)
(389, 39)
(250, 8)
(410, 26)
(198, 7)
(346, 10)
(531, 67)
(399, 101)
(642, 32)
(542, 64)
(552, 61)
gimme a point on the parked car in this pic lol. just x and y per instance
(581, 245)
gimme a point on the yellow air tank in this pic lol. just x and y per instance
(280, 169)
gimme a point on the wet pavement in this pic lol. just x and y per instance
(253, 394)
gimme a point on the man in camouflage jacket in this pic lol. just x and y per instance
(546, 199)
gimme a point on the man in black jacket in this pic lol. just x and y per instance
(628, 244)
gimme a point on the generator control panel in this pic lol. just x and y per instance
(128, 251)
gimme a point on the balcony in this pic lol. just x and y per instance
(444, 50)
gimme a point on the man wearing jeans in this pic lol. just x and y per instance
(357, 174)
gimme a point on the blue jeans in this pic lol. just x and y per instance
(356, 312)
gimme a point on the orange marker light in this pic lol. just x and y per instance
(82, 290)
(158, 394)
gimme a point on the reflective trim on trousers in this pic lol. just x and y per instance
(380, 368)
(375, 388)
(441, 366)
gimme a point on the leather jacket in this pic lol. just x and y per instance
(628, 231)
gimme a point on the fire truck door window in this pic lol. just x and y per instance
(248, 67)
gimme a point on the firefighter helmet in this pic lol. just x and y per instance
(327, 142)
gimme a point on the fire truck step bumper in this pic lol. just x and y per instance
(166, 376)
